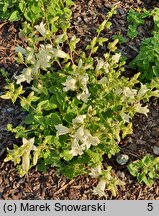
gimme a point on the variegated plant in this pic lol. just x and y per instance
(78, 109)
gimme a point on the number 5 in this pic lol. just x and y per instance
(150, 206)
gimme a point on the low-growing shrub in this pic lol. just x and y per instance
(136, 18)
(146, 169)
(78, 108)
(147, 60)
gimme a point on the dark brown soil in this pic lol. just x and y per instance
(36, 185)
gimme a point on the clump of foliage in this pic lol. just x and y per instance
(78, 107)
(136, 18)
(147, 60)
(146, 169)
(5, 75)
(120, 38)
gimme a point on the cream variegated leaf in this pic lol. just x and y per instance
(25, 76)
(141, 109)
(41, 29)
(100, 189)
(96, 171)
(25, 162)
(60, 54)
(61, 130)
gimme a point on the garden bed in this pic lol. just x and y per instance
(37, 185)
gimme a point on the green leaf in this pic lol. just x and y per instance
(112, 46)
(73, 43)
(29, 119)
(25, 103)
(41, 166)
(102, 40)
(94, 49)
(60, 99)
(36, 10)
(66, 155)
(133, 169)
(108, 25)
(93, 42)
(53, 159)
(127, 130)
(14, 16)
(5, 7)
(147, 160)
(148, 181)
(43, 105)
(27, 16)
(22, 6)
(68, 117)
(53, 119)
(152, 174)
(95, 157)
(120, 38)
(142, 177)
(39, 119)
(101, 26)
(12, 93)
(132, 31)
(72, 169)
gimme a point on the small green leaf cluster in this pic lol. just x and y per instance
(23, 154)
(147, 60)
(146, 169)
(5, 75)
(155, 16)
(120, 38)
(136, 18)
(109, 181)
(12, 93)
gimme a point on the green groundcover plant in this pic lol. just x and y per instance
(78, 106)
(146, 169)
(147, 60)
(136, 18)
